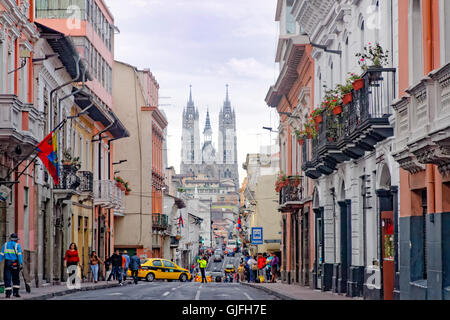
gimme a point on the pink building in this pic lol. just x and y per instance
(91, 26)
(19, 122)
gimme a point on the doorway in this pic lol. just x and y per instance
(305, 247)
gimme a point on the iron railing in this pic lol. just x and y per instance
(293, 192)
(160, 221)
(87, 181)
(68, 179)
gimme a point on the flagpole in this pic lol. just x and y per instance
(31, 152)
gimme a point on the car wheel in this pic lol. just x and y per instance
(183, 277)
(150, 277)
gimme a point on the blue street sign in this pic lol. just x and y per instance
(257, 236)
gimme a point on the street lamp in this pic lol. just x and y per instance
(289, 115)
(270, 129)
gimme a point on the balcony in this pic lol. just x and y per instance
(160, 221)
(20, 125)
(423, 124)
(291, 196)
(108, 195)
(362, 124)
(73, 182)
(86, 181)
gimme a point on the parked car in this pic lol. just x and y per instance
(162, 269)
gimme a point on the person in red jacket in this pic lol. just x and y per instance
(261, 264)
(71, 258)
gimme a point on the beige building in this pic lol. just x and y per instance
(132, 97)
(261, 199)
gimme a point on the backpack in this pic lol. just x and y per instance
(254, 267)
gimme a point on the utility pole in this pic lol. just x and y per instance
(210, 222)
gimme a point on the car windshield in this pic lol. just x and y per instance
(230, 266)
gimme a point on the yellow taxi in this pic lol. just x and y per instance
(161, 269)
(198, 277)
(229, 268)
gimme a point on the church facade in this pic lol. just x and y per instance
(202, 158)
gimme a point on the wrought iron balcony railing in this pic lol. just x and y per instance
(108, 195)
(87, 181)
(68, 179)
(160, 221)
(362, 124)
(292, 193)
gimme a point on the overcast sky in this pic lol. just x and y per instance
(206, 43)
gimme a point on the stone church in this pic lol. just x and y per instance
(197, 158)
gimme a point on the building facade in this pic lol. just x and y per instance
(421, 149)
(293, 97)
(142, 152)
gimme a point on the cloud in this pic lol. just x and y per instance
(206, 43)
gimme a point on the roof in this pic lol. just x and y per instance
(63, 45)
(289, 74)
(97, 113)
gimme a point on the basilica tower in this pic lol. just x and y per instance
(190, 139)
(227, 147)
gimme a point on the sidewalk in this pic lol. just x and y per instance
(296, 292)
(48, 292)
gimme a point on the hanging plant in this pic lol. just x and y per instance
(373, 54)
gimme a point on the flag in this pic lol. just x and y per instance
(48, 153)
(239, 223)
(180, 221)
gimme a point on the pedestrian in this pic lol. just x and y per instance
(253, 268)
(117, 263)
(202, 264)
(71, 258)
(127, 262)
(268, 267)
(94, 261)
(241, 272)
(135, 265)
(12, 253)
(261, 264)
(108, 271)
(274, 267)
(247, 268)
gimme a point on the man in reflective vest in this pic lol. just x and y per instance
(202, 264)
(12, 253)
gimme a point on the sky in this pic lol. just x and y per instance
(206, 44)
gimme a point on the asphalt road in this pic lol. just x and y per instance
(161, 290)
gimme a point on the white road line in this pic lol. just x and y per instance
(165, 294)
(116, 294)
(197, 295)
(248, 297)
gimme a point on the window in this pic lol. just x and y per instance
(157, 263)
(290, 21)
(444, 11)
(2, 66)
(362, 36)
(168, 264)
(415, 42)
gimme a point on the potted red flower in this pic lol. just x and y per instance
(317, 115)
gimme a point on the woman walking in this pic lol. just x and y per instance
(71, 259)
(95, 260)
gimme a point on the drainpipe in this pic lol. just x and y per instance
(61, 86)
(428, 67)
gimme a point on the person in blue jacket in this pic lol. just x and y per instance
(12, 254)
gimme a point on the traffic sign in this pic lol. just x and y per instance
(257, 236)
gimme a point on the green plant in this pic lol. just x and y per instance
(375, 54)
(68, 160)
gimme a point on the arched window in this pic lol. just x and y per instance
(346, 57)
(362, 35)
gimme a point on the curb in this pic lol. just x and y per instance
(70, 291)
(272, 292)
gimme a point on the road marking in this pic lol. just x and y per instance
(165, 294)
(197, 295)
(116, 294)
(248, 297)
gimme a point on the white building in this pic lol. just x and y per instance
(355, 176)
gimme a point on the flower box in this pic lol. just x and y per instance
(358, 84)
(348, 98)
(337, 110)
(301, 141)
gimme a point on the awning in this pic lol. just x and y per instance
(105, 117)
(65, 48)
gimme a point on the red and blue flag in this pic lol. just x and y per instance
(48, 153)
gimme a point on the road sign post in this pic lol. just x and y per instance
(257, 236)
